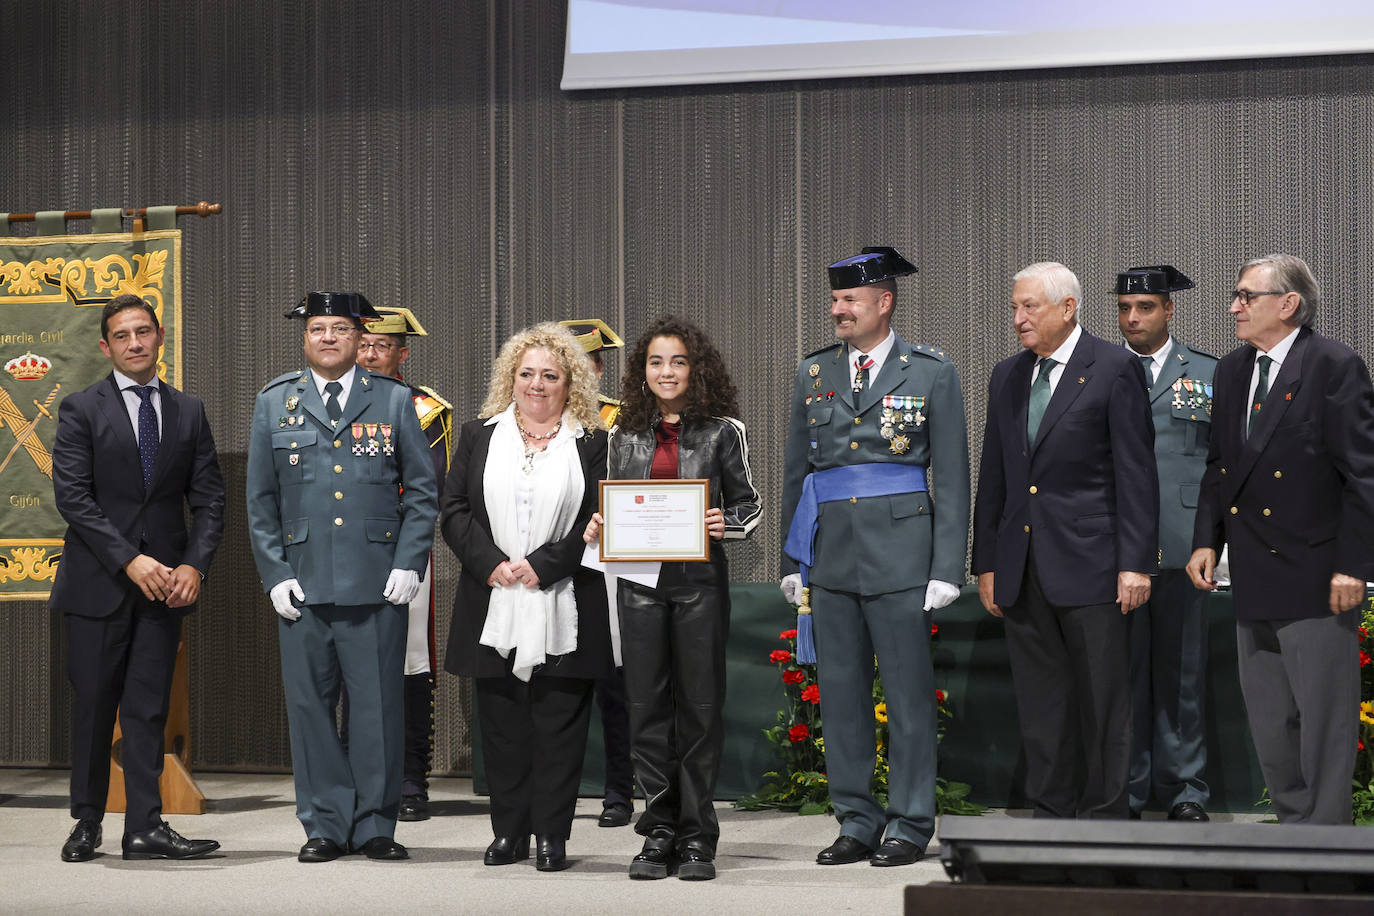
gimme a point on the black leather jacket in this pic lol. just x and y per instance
(715, 448)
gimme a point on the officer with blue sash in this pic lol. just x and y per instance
(1169, 632)
(876, 510)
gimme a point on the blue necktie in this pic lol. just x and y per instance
(148, 439)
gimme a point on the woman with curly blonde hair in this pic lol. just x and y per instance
(530, 625)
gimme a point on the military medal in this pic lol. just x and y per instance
(281, 422)
(372, 444)
(387, 447)
(358, 439)
(293, 402)
(814, 370)
(295, 459)
(899, 445)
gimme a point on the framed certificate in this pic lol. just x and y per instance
(658, 520)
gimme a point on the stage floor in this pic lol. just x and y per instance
(766, 863)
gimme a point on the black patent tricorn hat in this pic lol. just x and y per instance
(875, 264)
(340, 305)
(1160, 280)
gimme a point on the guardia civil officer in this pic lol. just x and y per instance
(342, 499)
(871, 415)
(1169, 631)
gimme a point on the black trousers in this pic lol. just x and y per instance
(534, 736)
(1071, 668)
(673, 643)
(121, 665)
(615, 738)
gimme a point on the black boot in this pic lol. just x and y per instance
(419, 747)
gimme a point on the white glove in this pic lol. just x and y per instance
(281, 595)
(791, 588)
(401, 586)
(939, 594)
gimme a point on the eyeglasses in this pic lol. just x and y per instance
(335, 330)
(381, 348)
(1247, 296)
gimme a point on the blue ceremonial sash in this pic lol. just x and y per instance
(856, 481)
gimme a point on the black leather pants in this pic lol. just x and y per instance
(673, 643)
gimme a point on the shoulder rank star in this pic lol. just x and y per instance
(899, 445)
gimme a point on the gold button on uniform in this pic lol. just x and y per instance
(1026, 529)
(338, 521)
(853, 445)
(1267, 512)
(1234, 510)
(1034, 491)
(337, 443)
(338, 469)
(293, 445)
(813, 421)
(858, 420)
(388, 534)
(338, 494)
(853, 500)
(1223, 470)
(1278, 473)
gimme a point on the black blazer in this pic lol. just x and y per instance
(1294, 500)
(1086, 492)
(98, 486)
(466, 528)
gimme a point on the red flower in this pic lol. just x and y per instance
(811, 694)
(1364, 633)
(788, 634)
(934, 628)
(799, 733)
(940, 695)
(794, 676)
(1365, 660)
(1359, 745)
(778, 656)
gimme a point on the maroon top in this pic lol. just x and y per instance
(664, 466)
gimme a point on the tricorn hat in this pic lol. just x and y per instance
(1158, 280)
(593, 334)
(396, 321)
(874, 265)
(341, 305)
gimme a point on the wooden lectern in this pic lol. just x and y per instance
(180, 795)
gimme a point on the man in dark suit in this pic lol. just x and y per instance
(871, 417)
(131, 453)
(341, 498)
(1169, 632)
(1289, 487)
(1064, 541)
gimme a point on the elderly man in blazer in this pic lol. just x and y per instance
(342, 498)
(871, 417)
(1289, 487)
(1064, 541)
(131, 454)
(1169, 632)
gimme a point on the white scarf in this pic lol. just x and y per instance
(542, 621)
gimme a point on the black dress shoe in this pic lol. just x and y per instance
(413, 808)
(696, 863)
(655, 858)
(320, 849)
(1187, 811)
(162, 842)
(506, 850)
(552, 854)
(616, 815)
(83, 842)
(895, 851)
(1134, 815)
(844, 851)
(383, 849)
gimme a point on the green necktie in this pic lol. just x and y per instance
(1039, 399)
(1261, 392)
(1148, 364)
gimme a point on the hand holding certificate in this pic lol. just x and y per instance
(656, 520)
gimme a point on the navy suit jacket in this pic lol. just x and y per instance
(1085, 494)
(1294, 499)
(98, 486)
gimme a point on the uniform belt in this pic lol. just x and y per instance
(855, 481)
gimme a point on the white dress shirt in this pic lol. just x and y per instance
(1278, 355)
(132, 400)
(1061, 358)
(878, 354)
(346, 380)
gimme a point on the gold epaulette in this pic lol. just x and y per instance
(429, 406)
(610, 411)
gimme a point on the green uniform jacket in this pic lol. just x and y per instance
(883, 543)
(318, 511)
(1183, 426)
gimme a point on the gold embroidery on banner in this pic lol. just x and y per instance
(28, 563)
(112, 275)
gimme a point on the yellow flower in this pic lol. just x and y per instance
(880, 712)
(1367, 712)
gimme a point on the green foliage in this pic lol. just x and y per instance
(800, 783)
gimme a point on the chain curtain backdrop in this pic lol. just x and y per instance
(422, 153)
(52, 290)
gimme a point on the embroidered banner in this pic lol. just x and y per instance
(52, 289)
